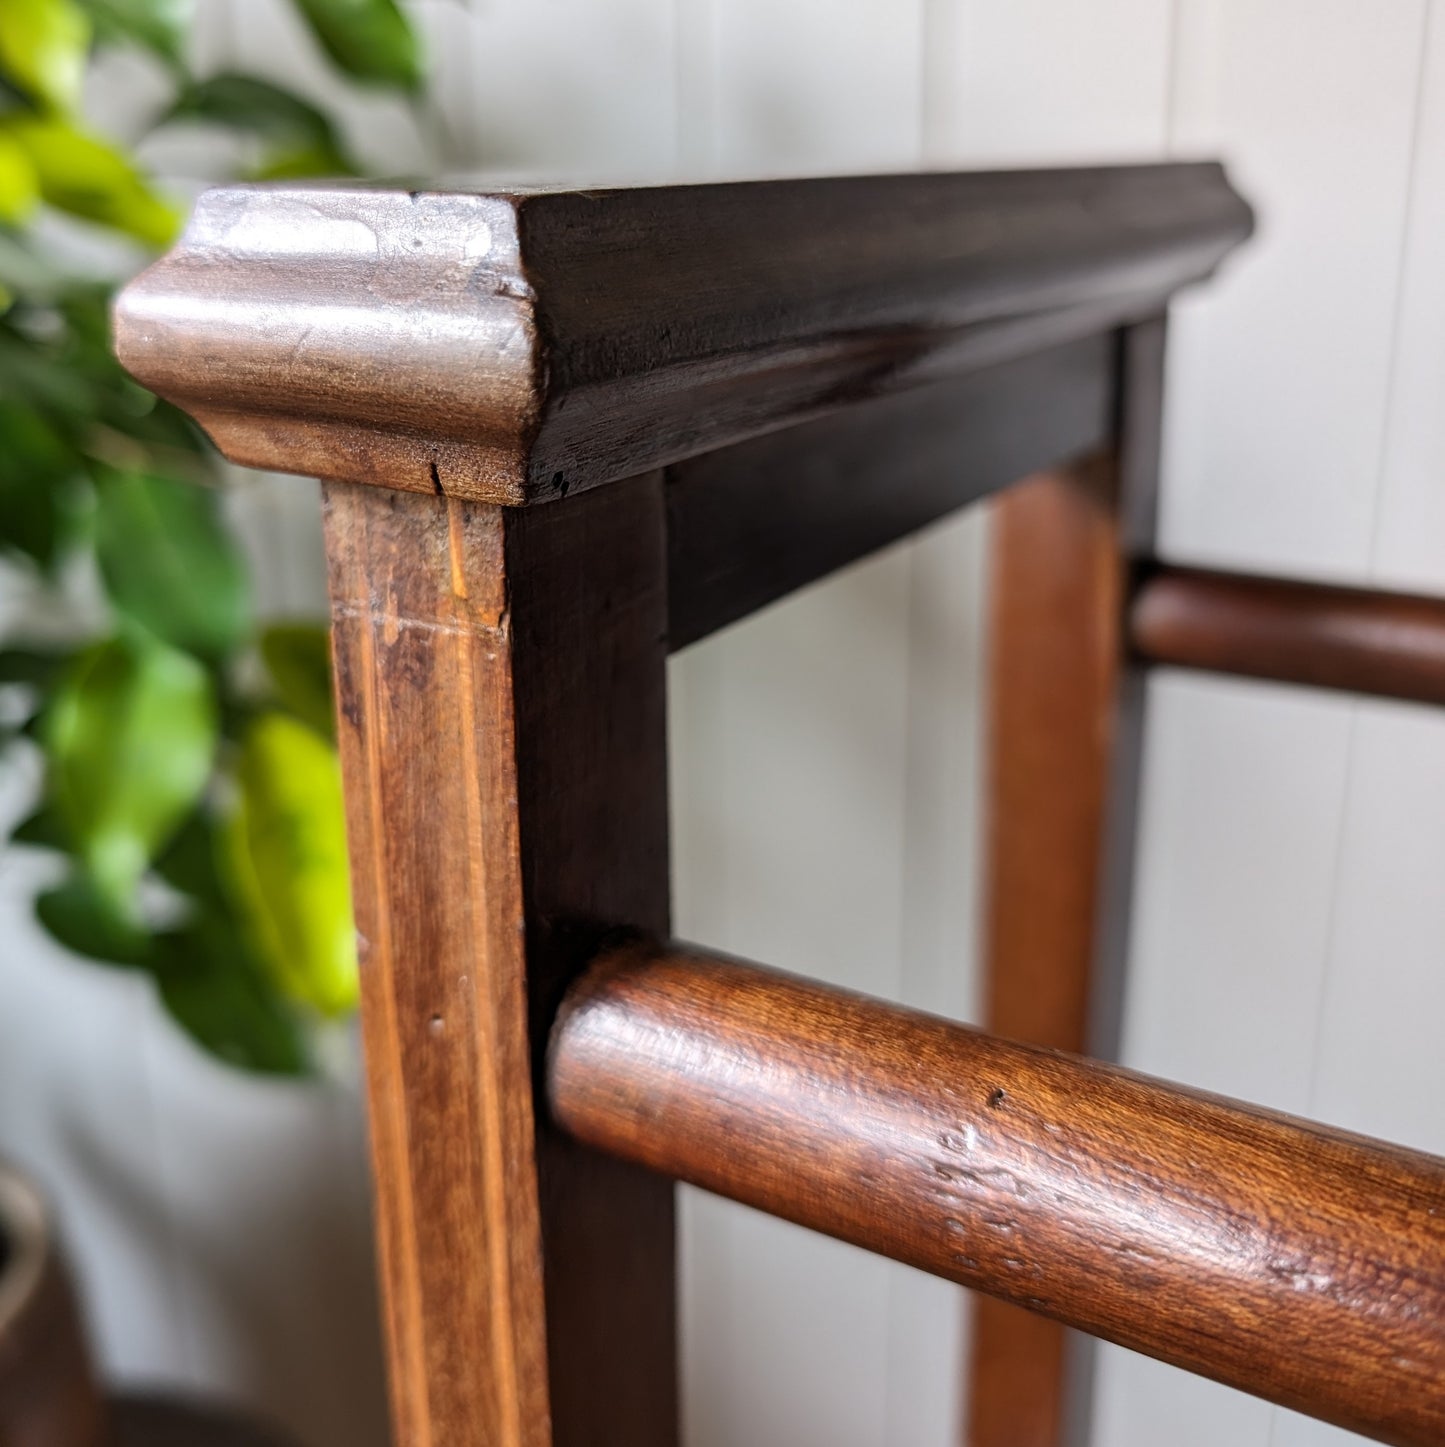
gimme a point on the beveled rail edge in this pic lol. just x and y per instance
(511, 346)
(1300, 1263)
(1362, 640)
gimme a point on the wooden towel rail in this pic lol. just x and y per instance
(1300, 1263)
(562, 433)
(1390, 644)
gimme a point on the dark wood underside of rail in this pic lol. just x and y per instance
(1297, 1262)
(751, 523)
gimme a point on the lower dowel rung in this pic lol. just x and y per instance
(1293, 1261)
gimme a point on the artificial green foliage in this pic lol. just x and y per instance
(78, 914)
(89, 177)
(191, 789)
(298, 658)
(19, 188)
(168, 562)
(369, 39)
(285, 850)
(129, 736)
(160, 26)
(213, 988)
(36, 464)
(299, 139)
(43, 47)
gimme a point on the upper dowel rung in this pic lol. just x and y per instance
(1390, 644)
(1293, 1261)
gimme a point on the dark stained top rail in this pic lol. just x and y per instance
(1300, 1263)
(512, 346)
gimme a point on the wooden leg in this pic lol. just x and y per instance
(501, 690)
(1056, 592)
(1064, 750)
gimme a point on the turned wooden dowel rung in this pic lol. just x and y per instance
(1391, 644)
(1296, 1262)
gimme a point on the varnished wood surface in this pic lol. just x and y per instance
(1136, 507)
(1300, 1263)
(512, 346)
(502, 722)
(49, 1396)
(1055, 650)
(1140, 402)
(750, 523)
(857, 356)
(1390, 644)
(1056, 590)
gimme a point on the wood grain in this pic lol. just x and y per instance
(1300, 1263)
(1140, 434)
(750, 523)
(859, 356)
(1366, 641)
(502, 719)
(1055, 651)
(513, 346)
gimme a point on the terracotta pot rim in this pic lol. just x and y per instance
(25, 1245)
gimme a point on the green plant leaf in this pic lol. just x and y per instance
(371, 40)
(44, 45)
(88, 177)
(299, 164)
(129, 737)
(284, 856)
(43, 830)
(168, 563)
(217, 994)
(30, 665)
(81, 918)
(298, 658)
(81, 356)
(300, 140)
(12, 98)
(36, 463)
(158, 25)
(189, 863)
(25, 675)
(19, 185)
(30, 375)
(22, 271)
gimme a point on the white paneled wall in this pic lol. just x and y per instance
(1288, 928)
(1315, 102)
(1288, 935)
(792, 812)
(1409, 524)
(1038, 82)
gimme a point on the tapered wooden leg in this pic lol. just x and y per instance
(1065, 731)
(1056, 584)
(500, 676)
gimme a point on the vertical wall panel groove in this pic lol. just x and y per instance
(1409, 536)
(795, 791)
